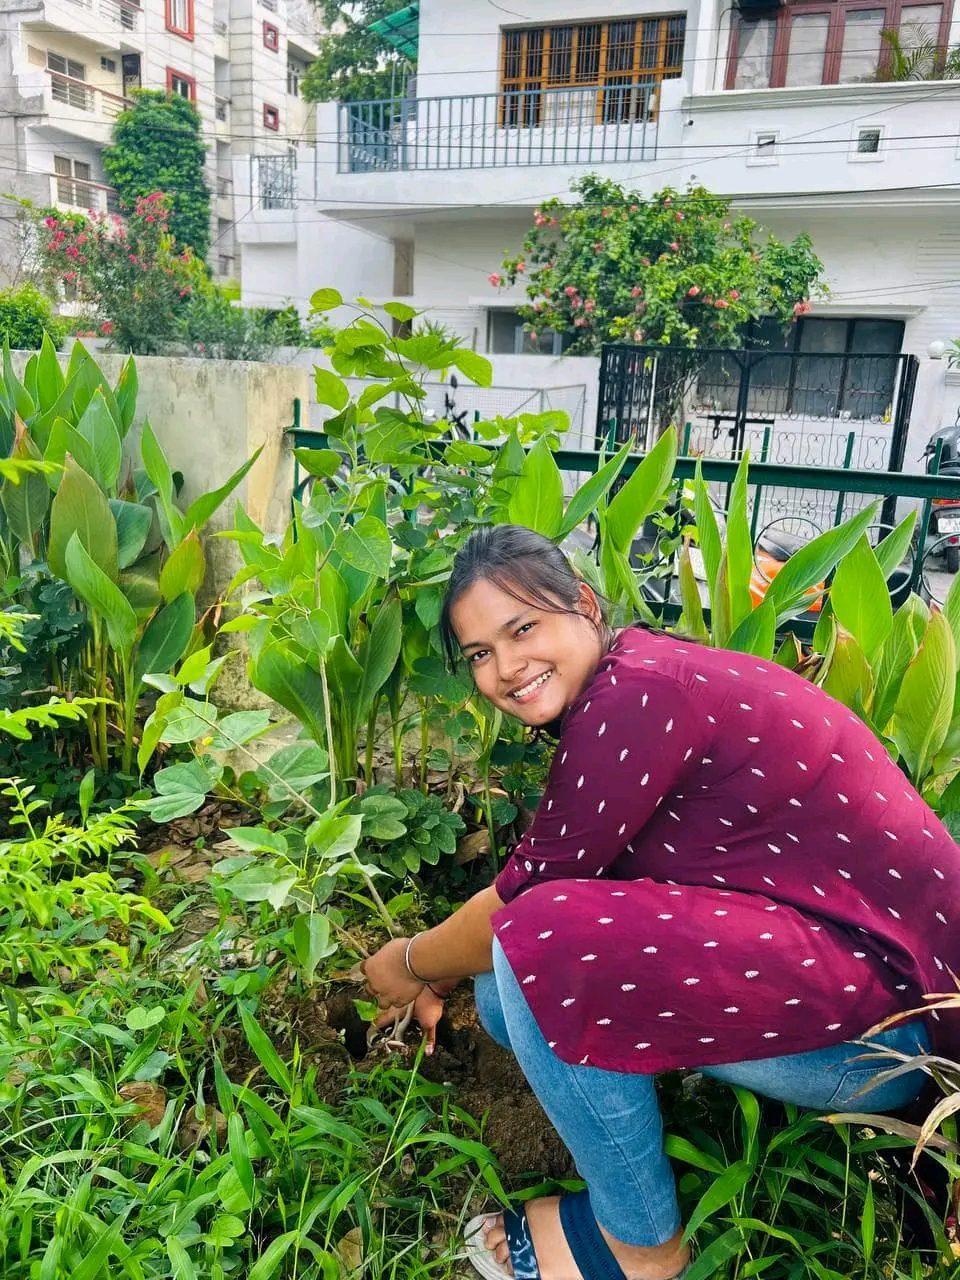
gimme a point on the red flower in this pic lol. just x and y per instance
(494, 278)
(570, 290)
(107, 328)
(721, 303)
(679, 216)
(733, 295)
(693, 291)
(675, 247)
(636, 291)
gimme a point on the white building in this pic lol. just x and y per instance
(775, 105)
(67, 68)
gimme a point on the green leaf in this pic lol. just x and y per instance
(325, 300)
(331, 390)
(126, 396)
(50, 379)
(268, 1262)
(641, 494)
(592, 492)
(98, 428)
(756, 633)
(537, 497)
(896, 655)
(319, 462)
(27, 503)
(299, 765)
(718, 1195)
(868, 1224)
(20, 400)
(133, 521)
(893, 550)
(790, 590)
(102, 596)
(924, 706)
(158, 470)
(184, 569)
(166, 637)
(366, 546)
(262, 881)
(691, 621)
(239, 728)
(64, 440)
(951, 609)
(181, 789)
(739, 549)
(311, 942)
(401, 311)
(473, 366)
(282, 674)
(708, 532)
(237, 1144)
(848, 677)
(140, 1019)
(860, 599)
(262, 1046)
(334, 834)
(202, 508)
(381, 652)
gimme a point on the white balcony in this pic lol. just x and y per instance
(107, 23)
(77, 195)
(81, 109)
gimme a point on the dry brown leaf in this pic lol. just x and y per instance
(473, 846)
(150, 1099)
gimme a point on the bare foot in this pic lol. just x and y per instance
(661, 1262)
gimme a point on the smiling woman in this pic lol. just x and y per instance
(716, 873)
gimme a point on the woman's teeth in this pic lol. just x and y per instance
(529, 688)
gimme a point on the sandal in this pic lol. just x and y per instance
(590, 1251)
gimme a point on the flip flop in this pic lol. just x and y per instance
(590, 1251)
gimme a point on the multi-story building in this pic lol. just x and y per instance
(67, 69)
(784, 105)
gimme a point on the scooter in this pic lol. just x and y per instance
(944, 527)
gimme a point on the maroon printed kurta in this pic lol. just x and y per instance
(726, 865)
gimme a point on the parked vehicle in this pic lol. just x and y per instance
(944, 526)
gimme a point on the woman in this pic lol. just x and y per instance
(726, 872)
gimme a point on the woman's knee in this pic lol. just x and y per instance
(489, 1008)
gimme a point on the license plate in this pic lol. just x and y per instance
(949, 525)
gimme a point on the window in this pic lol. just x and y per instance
(180, 17)
(588, 73)
(508, 334)
(183, 85)
(271, 117)
(271, 37)
(109, 65)
(295, 73)
(868, 144)
(65, 82)
(765, 147)
(809, 43)
(72, 177)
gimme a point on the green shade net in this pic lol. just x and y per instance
(401, 30)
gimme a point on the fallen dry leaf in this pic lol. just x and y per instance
(151, 1100)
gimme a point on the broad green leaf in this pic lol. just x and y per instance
(691, 621)
(282, 675)
(721, 615)
(182, 1267)
(319, 462)
(259, 840)
(718, 1195)
(334, 834)
(20, 400)
(924, 706)
(239, 728)
(330, 389)
(739, 549)
(65, 440)
(860, 599)
(592, 492)
(641, 494)
(475, 367)
(266, 1265)
(140, 586)
(262, 881)
(158, 469)
(237, 1143)
(50, 379)
(401, 311)
(27, 503)
(537, 498)
(757, 632)
(325, 300)
(299, 765)
(892, 551)
(262, 1046)
(184, 569)
(126, 392)
(708, 532)
(100, 431)
(166, 637)
(868, 1225)
(141, 1019)
(202, 508)
(311, 942)
(789, 591)
(895, 656)
(181, 789)
(381, 652)
(848, 677)
(366, 546)
(951, 609)
(102, 596)
(133, 521)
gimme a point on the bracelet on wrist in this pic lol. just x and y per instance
(417, 977)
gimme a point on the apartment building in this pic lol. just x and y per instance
(780, 104)
(68, 67)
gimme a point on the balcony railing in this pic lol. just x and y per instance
(78, 193)
(123, 13)
(590, 125)
(90, 98)
(273, 181)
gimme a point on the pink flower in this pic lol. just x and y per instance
(634, 208)
(598, 247)
(107, 328)
(693, 291)
(801, 308)
(679, 216)
(495, 279)
(70, 275)
(636, 291)
(589, 305)
(521, 266)
(726, 226)
(733, 295)
(570, 290)
(52, 247)
(580, 322)
(675, 247)
(151, 218)
(50, 222)
(721, 303)
(668, 202)
(638, 335)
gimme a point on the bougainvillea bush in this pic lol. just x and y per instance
(677, 268)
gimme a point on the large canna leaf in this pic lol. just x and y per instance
(184, 568)
(158, 470)
(80, 507)
(166, 637)
(283, 676)
(721, 614)
(100, 431)
(708, 532)
(202, 508)
(62, 440)
(102, 596)
(592, 492)
(860, 599)
(892, 551)
(27, 503)
(380, 653)
(133, 521)
(739, 549)
(757, 632)
(18, 397)
(126, 396)
(50, 379)
(691, 621)
(790, 590)
(849, 678)
(642, 493)
(895, 656)
(951, 609)
(537, 497)
(924, 706)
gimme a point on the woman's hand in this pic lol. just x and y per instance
(388, 978)
(427, 1010)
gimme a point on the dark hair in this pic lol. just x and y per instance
(524, 564)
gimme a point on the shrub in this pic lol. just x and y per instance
(25, 316)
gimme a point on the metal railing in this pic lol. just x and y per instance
(125, 13)
(80, 193)
(83, 96)
(273, 181)
(583, 125)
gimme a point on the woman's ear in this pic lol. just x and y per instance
(589, 605)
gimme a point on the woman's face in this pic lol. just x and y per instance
(529, 662)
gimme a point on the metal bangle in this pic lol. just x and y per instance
(406, 960)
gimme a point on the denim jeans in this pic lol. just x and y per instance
(610, 1121)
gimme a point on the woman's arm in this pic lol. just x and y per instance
(458, 948)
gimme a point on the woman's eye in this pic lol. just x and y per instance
(527, 626)
(480, 653)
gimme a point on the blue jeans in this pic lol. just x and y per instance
(610, 1121)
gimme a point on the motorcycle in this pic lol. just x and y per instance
(944, 526)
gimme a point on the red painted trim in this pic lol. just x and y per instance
(268, 113)
(270, 32)
(182, 75)
(186, 34)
